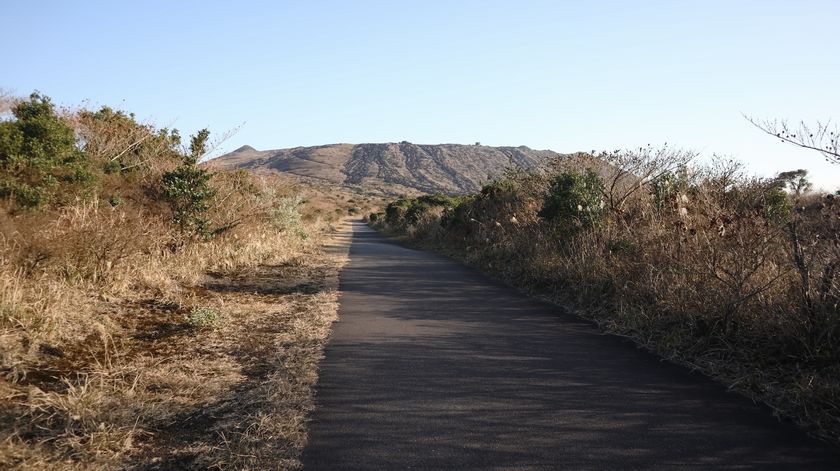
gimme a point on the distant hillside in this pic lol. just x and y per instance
(392, 167)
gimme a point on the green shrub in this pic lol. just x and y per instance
(574, 200)
(38, 154)
(415, 211)
(409, 211)
(396, 210)
(284, 213)
(118, 143)
(441, 200)
(778, 205)
(666, 186)
(457, 219)
(187, 190)
(507, 183)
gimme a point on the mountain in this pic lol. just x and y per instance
(391, 167)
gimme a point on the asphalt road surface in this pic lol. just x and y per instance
(433, 366)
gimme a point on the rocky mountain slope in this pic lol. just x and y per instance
(391, 167)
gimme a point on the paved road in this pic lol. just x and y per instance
(434, 366)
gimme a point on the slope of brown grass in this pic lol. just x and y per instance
(129, 340)
(210, 367)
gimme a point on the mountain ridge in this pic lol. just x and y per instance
(392, 167)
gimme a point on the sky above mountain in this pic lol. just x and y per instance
(566, 76)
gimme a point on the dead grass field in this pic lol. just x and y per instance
(210, 370)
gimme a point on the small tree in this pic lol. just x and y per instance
(795, 180)
(187, 190)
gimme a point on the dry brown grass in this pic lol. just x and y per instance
(126, 375)
(275, 322)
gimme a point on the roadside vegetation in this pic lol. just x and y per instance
(154, 314)
(729, 274)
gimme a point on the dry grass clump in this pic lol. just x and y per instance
(121, 328)
(733, 275)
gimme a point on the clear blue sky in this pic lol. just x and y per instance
(548, 74)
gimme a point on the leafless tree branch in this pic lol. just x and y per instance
(824, 139)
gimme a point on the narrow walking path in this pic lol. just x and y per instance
(434, 366)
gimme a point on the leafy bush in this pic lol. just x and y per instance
(395, 211)
(285, 215)
(188, 192)
(117, 142)
(778, 205)
(574, 200)
(38, 154)
(666, 187)
(440, 200)
(409, 211)
(507, 183)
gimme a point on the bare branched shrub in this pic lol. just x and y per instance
(822, 137)
(625, 173)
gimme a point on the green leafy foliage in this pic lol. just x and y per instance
(203, 317)
(506, 184)
(198, 146)
(665, 187)
(38, 154)
(118, 143)
(778, 205)
(187, 190)
(409, 211)
(396, 210)
(574, 200)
